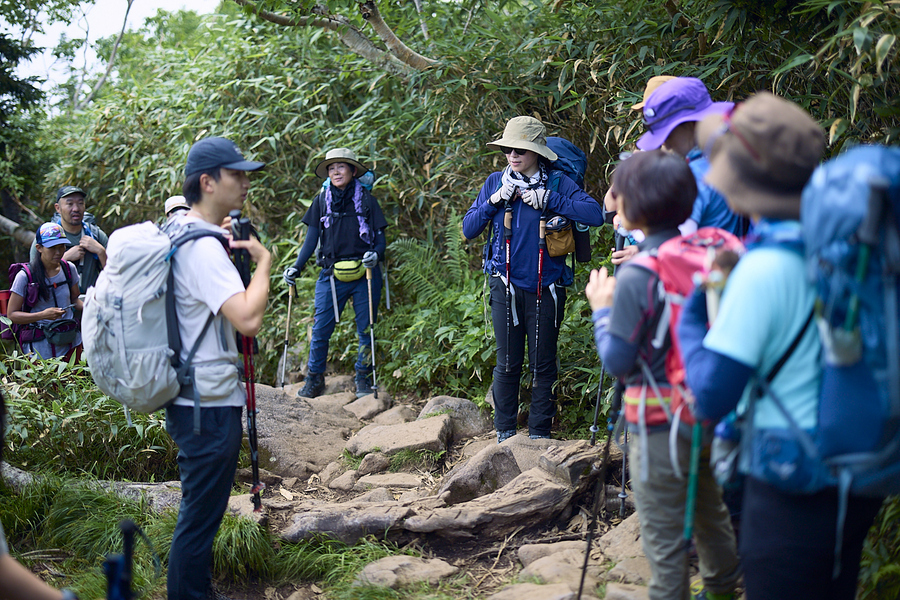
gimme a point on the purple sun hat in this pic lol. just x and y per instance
(678, 101)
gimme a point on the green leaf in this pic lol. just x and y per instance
(882, 48)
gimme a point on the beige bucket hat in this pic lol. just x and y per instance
(344, 155)
(525, 133)
(652, 84)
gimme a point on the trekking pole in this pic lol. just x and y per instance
(620, 245)
(118, 566)
(600, 490)
(287, 338)
(241, 230)
(372, 330)
(594, 428)
(691, 502)
(387, 287)
(337, 314)
(542, 247)
(507, 233)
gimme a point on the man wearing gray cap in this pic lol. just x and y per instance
(87, 241)
(211, 303)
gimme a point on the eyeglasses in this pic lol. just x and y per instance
(518, 151)
(656, 120)
(727, 128)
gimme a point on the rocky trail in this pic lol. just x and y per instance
(511, 519)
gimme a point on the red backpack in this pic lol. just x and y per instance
(676, 262)
(25, 333)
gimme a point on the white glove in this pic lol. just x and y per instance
(506, 193)
(370, 259)
(536, 199)
(290, 274)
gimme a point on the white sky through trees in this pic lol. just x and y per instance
(102, 19)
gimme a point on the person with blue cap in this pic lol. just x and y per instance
(209, 287)
(44, 298)
(87, 242)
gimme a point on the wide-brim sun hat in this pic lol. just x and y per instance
(680, 100)
(344, 155)
(51, 234)
(525, 133)
(652, 84)
(762, 154)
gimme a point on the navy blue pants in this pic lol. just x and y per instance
(787, 543)
(542, 336)
(324, 323)
(207, 463)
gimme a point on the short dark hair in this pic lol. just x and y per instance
(191, 187)
(659, 189)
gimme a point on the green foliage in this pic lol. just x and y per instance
(60, 422)
(879, 575)
(243, 549)
(423, 459)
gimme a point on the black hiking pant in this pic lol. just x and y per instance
(542, 336)
(788, 542)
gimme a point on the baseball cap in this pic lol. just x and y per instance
(68, 190)
(176, 202)
(680, 100)
(51, 234)
(215, 153)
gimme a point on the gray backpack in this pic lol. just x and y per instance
(129, 325)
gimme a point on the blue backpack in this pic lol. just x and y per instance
(851, 222)
(572, 162)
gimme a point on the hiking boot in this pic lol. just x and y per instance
(699, 592)
(502, 436)
(363, 384)
(313, 386)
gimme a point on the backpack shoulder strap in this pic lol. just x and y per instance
(178, 239)
(68, 271)
(553, 183)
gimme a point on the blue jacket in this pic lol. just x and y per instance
(569, 201)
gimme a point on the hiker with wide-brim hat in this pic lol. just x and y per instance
(670, 116)
(762, 155)
(347, 225)
(520, 193)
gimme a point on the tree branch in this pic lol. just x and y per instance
(21, 235)
(370, 13)
(110, 64)
(352, 37)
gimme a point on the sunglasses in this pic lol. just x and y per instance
(518, 151)
(728, 128)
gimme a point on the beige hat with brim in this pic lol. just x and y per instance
(762, 155)
(343, 155)
(525, 133)
(176, 202)
(652, 84)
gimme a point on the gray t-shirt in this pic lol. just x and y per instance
(63, 298)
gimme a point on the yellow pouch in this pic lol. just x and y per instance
(349, 270)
